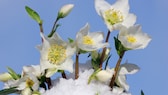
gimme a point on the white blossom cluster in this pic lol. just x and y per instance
(81, 79)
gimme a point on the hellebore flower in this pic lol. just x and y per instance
(90, 41)
(55, 55)
(133, 37)
(26, 84)
(116, 14)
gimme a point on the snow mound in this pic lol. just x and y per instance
(80, 86)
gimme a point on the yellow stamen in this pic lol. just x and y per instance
(29, 82)
(88, 40)
(131, 39)
(56, 54)
(113, 16)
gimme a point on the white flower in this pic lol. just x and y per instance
(55, 54)
(65, 10)
(106, 75)
(116, 14)
(27, 81)
(34, 69)
(5, 77)
(26, 84)
(133, 37)
(90, 41)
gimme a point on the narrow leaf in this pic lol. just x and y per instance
(70, 40)
(8, 91)
(13, 73)
(93, 76)
(95, 63)
(142, 93)
(33, 14)
(119, 47)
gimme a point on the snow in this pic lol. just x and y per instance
(80, 86)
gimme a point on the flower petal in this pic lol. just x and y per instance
(26, 91)
(83, 31)
(130, 20)
(121, 81)
(34, 69)
(50, 72)
(121, 5)
(101, 6)
(67, 65)
(128, 68)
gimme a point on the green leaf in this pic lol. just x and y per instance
(119, 47)
(93, 76)
(8, 91)
(70, 40)
(33, 14)
(13, 73)
(95, 63)
(142, 93)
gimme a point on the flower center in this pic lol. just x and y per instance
(131, 39)
(29, 82)
(113, 16)
(88, 40)
(56, 54)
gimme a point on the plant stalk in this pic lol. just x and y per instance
(53, 28)
(104, 49)
(49, 84)
(116, 70)
(41, 29)
(63, 75)
(77, 66)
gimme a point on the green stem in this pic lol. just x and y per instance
(104, 50)
(77, 66)
(54, 27)
(41, 29)
(116, 70)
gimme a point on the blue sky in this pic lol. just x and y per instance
(19, 35)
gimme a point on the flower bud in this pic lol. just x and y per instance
(104, 75)
(65, 10)
(5, 77)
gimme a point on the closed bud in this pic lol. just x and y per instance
(65, 10)
(5, 77)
